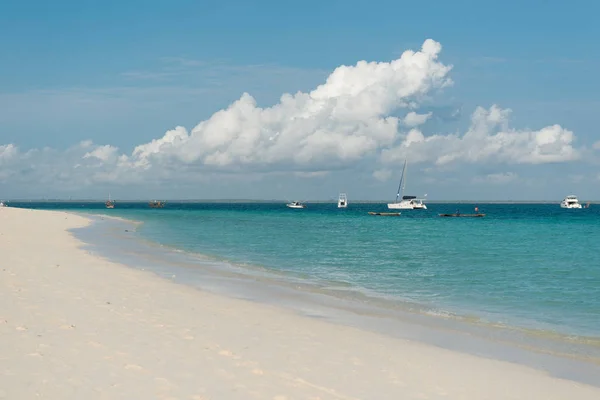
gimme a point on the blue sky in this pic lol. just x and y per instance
(124, 73)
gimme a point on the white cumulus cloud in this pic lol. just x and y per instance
(341, 121)
(364, 113)
(382, 174)
(413, 119)
(102, 153)
(489, 139)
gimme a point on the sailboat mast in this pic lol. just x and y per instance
(404, 176)
(400, 187)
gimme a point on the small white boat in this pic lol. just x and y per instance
(110, 203)
(295, 204)
(570, 201)
(342, 201)
(406, 202)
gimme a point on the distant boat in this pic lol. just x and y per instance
(295, 204)
(156, 204)
(406, 202)
(570, 201)
(478, 215)
(385, 214)
(342, 201)
(109, 203)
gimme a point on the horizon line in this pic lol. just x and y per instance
(225, 200)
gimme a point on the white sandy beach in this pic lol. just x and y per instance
(75, 326)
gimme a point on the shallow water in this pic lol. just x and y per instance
(535, 266)
(526, 275)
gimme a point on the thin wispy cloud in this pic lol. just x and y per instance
(483, 61)
(573, 61)
(187, 62)
(500, 178)
(487, 60)
(148, 75)
(178, 68)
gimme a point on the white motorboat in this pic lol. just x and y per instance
(570, 201)
(406, 202)
(342, 201)
(295, 204)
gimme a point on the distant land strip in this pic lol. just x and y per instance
(332, 200)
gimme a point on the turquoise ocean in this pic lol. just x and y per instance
(527, 267)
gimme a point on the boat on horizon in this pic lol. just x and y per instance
(385, 214)
(458, 215)
(571, 201)
(156, 204)
(342, 201)
(109, 203)
(406, 202)
(295, 204)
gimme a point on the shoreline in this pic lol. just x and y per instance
(78, 325)
(338, 289)
(559, 353)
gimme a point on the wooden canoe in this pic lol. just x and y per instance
(463, 215)
(385, 214)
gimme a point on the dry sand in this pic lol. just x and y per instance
(75, 326)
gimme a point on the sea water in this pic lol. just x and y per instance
(530, 267)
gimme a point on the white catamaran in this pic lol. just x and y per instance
(406, 202)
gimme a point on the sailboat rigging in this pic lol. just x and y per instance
(109, 203)
(405, 202)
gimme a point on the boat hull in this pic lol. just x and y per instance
(571, 205)
(385, 214)
(406, 206)
(463, 215)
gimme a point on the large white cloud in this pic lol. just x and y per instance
(340, 121)
(354, 116)
(488, 139)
